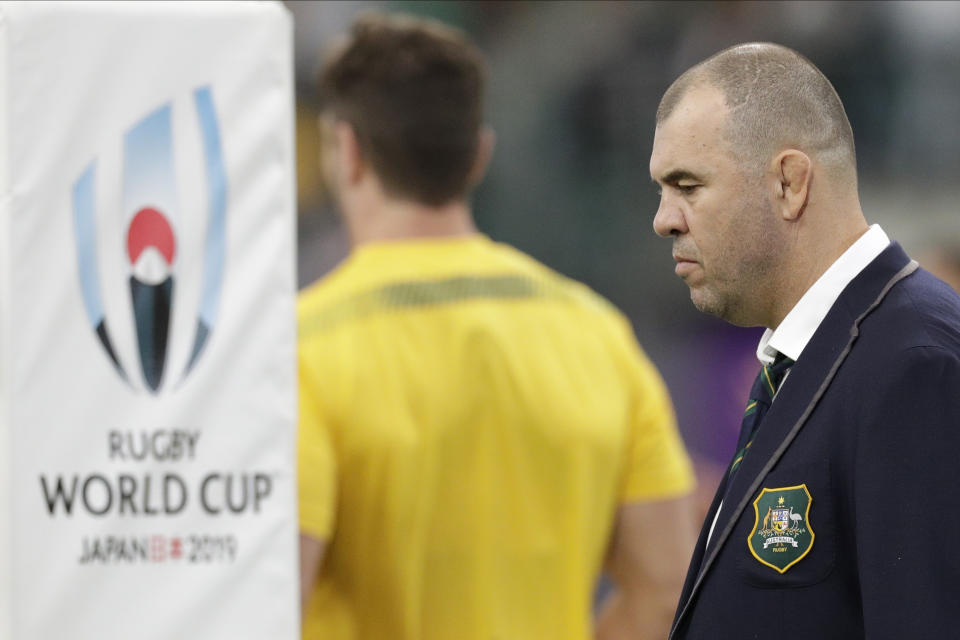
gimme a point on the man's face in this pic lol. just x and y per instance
(725, 236)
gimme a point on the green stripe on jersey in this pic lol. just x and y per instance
(424, 293)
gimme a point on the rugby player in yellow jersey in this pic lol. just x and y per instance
(479, 436)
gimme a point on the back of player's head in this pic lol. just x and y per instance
(777, 99)
(412, 90)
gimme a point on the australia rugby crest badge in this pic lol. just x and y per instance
(781, 535)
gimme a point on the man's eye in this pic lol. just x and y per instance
(687, 189)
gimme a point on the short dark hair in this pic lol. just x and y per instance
(776, 97)
(412, 89)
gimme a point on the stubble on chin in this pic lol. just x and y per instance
(706, 301)
(726, 308)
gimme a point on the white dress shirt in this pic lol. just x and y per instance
(796, 329)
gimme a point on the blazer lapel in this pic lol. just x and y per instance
(809, 378)
(699, 552)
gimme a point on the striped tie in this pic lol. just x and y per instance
(761, 397)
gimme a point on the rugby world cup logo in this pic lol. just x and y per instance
(150, 212)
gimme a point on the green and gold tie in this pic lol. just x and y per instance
(761, 397)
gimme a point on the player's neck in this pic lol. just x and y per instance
(403, 220)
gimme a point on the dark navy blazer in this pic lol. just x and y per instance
(869, 420)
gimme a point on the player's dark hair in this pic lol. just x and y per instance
(412, 90)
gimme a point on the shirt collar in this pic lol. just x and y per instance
(796, 329)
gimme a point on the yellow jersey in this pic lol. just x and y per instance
(469, 423)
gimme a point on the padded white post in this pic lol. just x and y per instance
(147, 326)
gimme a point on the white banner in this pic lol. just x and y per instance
(147, 331)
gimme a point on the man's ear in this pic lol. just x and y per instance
(349, 155)
(486, 140)
(793, 171)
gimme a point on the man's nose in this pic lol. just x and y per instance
(669, 220)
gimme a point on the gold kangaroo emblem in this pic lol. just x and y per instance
(766, 518)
